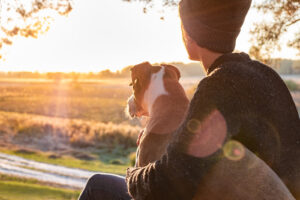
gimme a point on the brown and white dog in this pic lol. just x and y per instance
(158, 95)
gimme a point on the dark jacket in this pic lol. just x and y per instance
(259, 113)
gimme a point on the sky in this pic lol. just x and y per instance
(108, 34)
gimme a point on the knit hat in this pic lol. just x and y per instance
(214, 24)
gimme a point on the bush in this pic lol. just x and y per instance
(191, 91)
(292, 85)
(31, 130)
(77, 133)
(132, 158)
(116, 162)
(102, 135)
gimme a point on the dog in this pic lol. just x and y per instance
(158, 95)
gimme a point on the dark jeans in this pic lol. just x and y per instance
(105, 187)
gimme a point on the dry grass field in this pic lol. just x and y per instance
(98, 101)
(84, 120)
(72, 114)
(78, 124)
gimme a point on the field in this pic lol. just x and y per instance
(77, 124)
(68, 118)
(102, 101)
(73, 124)
(12, 188)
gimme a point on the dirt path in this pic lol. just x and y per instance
(68, 177)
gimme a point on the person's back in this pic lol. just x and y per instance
(260, 113)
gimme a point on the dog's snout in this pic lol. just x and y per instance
(131, 107)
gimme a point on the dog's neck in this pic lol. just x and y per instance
(166, 111)
(155, 89)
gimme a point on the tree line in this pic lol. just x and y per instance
(105, 74)
(282, 66)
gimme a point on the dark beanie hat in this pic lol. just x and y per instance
(214, 24)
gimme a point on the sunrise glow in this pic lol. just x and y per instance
(110, 34)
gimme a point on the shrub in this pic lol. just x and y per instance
(77, 133)
(132, 158)
(102, 135)
(292, 85)
(31, 130)
(116, 162)
(191, 91)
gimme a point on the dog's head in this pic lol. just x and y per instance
(140, 81)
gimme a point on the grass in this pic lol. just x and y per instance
(47, 133)
(97, 101)
(15, 190)
(78, 125)
(292, 85)
(99, 165)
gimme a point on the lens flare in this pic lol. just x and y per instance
(233, 150)
(193, 125)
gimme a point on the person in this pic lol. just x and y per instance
(105, 187)
(241, 102)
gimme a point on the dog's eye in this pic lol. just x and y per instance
(134, 82)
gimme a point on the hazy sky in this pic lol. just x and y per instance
(100, 34)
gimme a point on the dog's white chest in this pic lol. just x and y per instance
(156, 88)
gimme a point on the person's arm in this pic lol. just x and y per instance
(174, 176)
(195, 148)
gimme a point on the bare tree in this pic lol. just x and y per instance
(150, 3)
(283, 15)
(28, 18)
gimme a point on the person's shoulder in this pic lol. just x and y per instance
(221, 80)
(247, 69)
(238, 74)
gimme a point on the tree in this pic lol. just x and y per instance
(284, 16)
(151, 3)
(28, 18)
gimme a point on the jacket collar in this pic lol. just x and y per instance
(228, 57)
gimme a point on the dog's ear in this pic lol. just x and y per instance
(155, 69)
(172, 71)
(141, 73)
